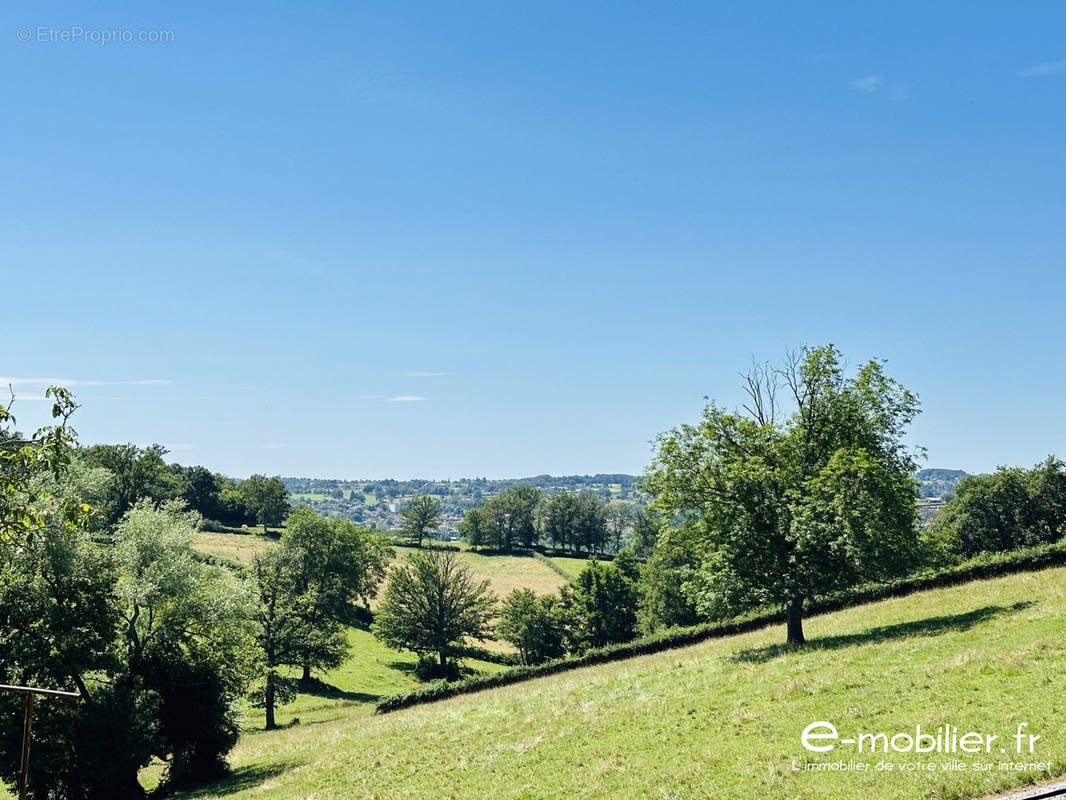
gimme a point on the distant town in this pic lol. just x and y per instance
(377, 503)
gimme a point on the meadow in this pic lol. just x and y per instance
(719, 719)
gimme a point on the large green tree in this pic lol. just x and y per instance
(337, 564)
(157, 644)
(576, 522)
(1011, 508)
(421, 516)
(280, 627)
(602, 603)
(186, 638)
(509, 518)
(432, 604)
(797, 505)
(534, 624)
(266, 499)
(137, 473)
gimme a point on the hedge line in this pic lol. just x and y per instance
(218, 561)
(983, 566)
(484, 654)
(539, 556)
(213, 526)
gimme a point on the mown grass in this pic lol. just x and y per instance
(720, 719)
(239, 547)
(571, 566)
(372, 671)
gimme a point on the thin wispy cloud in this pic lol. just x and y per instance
(1043, 70)
(869, 83)
(426, 374)
(876, 84)
(70, 383)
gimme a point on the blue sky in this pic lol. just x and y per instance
(396, 240)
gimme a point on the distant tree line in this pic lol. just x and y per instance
(579, 523)
(135, 473)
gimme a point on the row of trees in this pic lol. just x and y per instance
(433, 606)
(128, 473)
(524, 517)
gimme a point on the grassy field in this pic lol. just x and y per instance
(372, 672)
(571, 566)
(720, 719)
(239, 547)
(506, 573)
(503, 573)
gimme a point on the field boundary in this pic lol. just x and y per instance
(552, 566)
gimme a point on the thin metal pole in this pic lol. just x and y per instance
(27, 727)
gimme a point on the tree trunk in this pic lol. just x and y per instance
(443, 660)
(795, 621)
(306, 677)
(176, 773)
(269, 702)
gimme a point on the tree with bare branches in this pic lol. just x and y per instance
(792, 507)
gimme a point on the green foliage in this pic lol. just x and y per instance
(647, 524)
(795, 508)
(279, 626)
(25, 506)
(574, 522)
(421, 516)
(156, 643)
(508, 520)
(473, 530)
(187, 637)
(266, 499)
(137, 473)
(663, 601)
(336, 564)
(1011, 508)
(601, 605)
(535, 625)
(432, 604)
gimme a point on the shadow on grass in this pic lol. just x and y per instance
(930, 626)
(241, 780)
(402, 666)
(318, 688)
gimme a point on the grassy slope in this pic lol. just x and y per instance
(239, 547)
(372, 672)
(571, 566)
(720, 719)
(503, 573)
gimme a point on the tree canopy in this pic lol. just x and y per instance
(421, 516)
(792, 506)
(432, 604)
